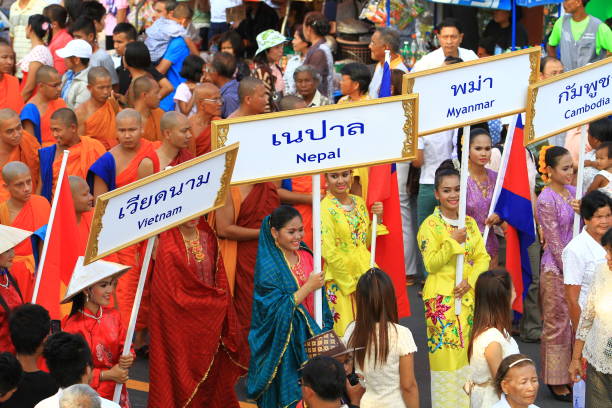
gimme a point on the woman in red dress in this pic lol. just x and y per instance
(90, 290)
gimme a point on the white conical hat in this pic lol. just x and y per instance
(10, 237)
(85, 276)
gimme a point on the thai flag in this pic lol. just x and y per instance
(385, 85)
(514, 206)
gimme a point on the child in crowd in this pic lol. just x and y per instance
(355, 81)
(170, 23)
(192, 71)
(603, 159)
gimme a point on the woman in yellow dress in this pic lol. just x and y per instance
(345, 236)
(440, 241)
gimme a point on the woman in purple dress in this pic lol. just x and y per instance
(555, 217)
(480, 186)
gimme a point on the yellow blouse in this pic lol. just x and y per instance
(345, 240)
(440, 252)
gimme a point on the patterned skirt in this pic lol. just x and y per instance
(448, 337)
(342, 307)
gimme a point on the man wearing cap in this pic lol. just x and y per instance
(16, 145)
(36, 114)
(76, 55)
(26, 211)
(10, 295)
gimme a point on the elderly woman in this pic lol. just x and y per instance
(307, 81)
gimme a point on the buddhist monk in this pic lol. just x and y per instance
(146, 101)
(208, 102)
(117, 168)
(239, 221)
(36, 115)
(16, 145)
(176, 137)
(26, 211)
(10, 95)
(97, 114)
(84, 151)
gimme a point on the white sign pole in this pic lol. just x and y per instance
(137, 298)
(501, 173)
(465, 157)
(43, 255)
(580, 176)
(373, 245)
(316, 244)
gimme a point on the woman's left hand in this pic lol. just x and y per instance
(126, 362)
(575, 206)
(377, 208)
(461, 289)
(493, 220)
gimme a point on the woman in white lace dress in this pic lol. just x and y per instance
(491, 341)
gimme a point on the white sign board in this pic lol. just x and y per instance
(462, 94)
(315, 140)
(164, 200)
(569, 100)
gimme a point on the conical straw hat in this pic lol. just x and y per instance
(85, 276)
(10, 237)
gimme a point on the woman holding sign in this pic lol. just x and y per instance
(283, 310)
(345, 235)
(556, 217)
(480, 186)
(440, 241)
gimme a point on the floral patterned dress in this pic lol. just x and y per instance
(345, 235)
(448, 335)
(479, 197)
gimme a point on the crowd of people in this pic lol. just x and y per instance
(129, 96)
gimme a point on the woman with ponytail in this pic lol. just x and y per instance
(555, 217)
(38, 32)
(441, 240)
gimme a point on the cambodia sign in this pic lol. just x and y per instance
(568, 100)
(164, 200)
(471, 92)
(314, 140)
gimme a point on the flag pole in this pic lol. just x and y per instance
(373, 245)
(137, 298)
(580, 176)
(316, 244)
(465, 157)
(501, 173)
(43, 255)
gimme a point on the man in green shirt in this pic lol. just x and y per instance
(582, 38)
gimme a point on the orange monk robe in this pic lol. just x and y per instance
(152, 130)
(203, 142)
(45, 121)
(82, 156)
(33, 215)
(101, 125)
(26, 152)
(10, 95)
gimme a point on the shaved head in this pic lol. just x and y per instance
(14, 169)
(96, 73)
(143, 84)
(171, 120)
(204, 90)
(7, 113)
(66, 116)
(129, 114)
(248, 86)
(76, 183)
(81, 196)
(46, 73)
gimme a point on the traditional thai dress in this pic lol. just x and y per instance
(345, 236)
(448, 335)
(479, 197)
(555, 216)
(10, 298)
(197, 353)
(279, 327)
(105, 335)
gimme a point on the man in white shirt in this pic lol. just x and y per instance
(584, 254)
(385, 38)
(450, 36)
(218, 19)
(68, 358)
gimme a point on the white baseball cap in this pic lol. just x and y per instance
(75, 48)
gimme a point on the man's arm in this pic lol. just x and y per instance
(226, 227)
(163, 66)
(145, 168)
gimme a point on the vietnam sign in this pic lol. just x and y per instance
(315, 140)
(471, 92)
(568, 100)
(164, 200)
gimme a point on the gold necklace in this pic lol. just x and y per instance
(195, 247)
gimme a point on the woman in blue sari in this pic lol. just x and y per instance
(283, 310)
